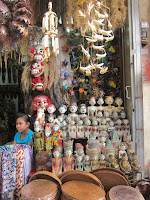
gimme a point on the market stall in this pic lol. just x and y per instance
(72, 84)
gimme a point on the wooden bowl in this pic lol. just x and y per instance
(122, 192)
(110, 178)
(46, 175)
(40, 189)
(80, 190)
(80, 176)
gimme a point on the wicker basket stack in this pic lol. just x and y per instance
(81, 185)
(121, 192)
(110, 177)
(43, 185)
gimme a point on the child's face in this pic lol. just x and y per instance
(21, 125)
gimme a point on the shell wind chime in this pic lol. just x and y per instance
(94, 22)
(49, 26)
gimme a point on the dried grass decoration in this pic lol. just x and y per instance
(118, 13)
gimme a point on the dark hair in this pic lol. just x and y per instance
(27, 118)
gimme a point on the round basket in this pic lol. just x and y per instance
(122, 192)
(46, 175)
(112, 169)
(80, 190)
(80, 176)
(143, 185)
(110, 178)
(40, 189)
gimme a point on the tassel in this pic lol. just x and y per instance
(15, 55)
(11, 53)
(5, 59)
(1, 61)
(19, 59)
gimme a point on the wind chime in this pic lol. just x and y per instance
(93, 21)
(101, 31)
(49, 26)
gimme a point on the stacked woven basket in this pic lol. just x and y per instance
(80, 185)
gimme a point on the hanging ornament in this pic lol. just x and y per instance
(49, 26)
(64, 74)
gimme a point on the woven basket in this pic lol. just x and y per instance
(46, 175)
(80, 176)
(122, 192)
(80, 190)
(110, 178)
(112, 169)
(143, 185)
(40, 189)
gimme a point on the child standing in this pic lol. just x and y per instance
(24, 134)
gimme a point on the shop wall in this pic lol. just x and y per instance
(144, 6)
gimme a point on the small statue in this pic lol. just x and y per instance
(126, 126)
(47, 130)
(130, 150)
(83, 111)
(135, 165)
(119, 128)
(62, 109)
(68, 161)
(106, 116)
(111, 128)
(79, 163)
(103, 126)
(109, 149)
(99, 117)
(92, 108)
(103, 129)
(87, 163)
(56, 131)
(79, 151)
(56, 163)
(73, 109)
(63, 132)
(102, 140)
(102, 160)
(109, 101)
(51, 109)
(95, 164)
(72, 130)
(115, 116)
(113, 162)
(127, 138)
(87, 127)
(122, 150)
(100, 108)
(80, 131)
(93, 148)
(118, 102)
(68, 145)
(124, 164)
(122, 114)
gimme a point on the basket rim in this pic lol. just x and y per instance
(46, 175)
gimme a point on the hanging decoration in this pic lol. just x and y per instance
(49, 26)
(118, 13)
(93, 20)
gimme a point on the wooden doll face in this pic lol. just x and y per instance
(51, 109)
(73, 109)
(62, 109)
(83, 109)
(118, 101)
(109, 100)
(92, 101)
(100, 101)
